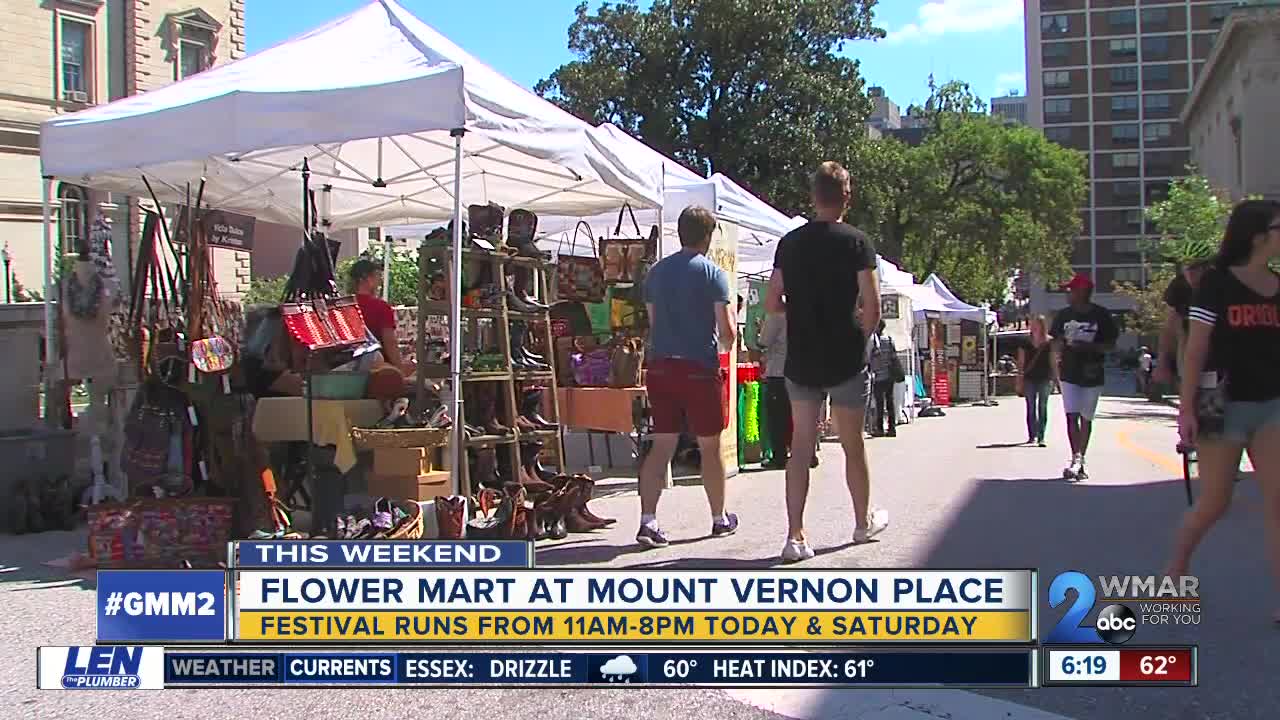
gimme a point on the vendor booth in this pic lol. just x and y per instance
(372, 119)
(956, 335)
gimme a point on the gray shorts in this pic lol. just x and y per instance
(1243, 420)
(851, 394)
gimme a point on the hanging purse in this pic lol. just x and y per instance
(591, 368)
(579, 278)
(622, 257)
(627, 363)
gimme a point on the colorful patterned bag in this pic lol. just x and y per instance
(623, 259)
(579, 278)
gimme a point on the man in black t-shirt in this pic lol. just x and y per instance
(1083, 332)
(823, 273)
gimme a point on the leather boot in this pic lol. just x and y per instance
(487, 413)
(587, 492)
(486, 221)
(531, 409)
(530, 456)
(516, 527)
(522, 477)
(451, 516)
(486, 469)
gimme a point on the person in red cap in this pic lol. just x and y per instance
(1083, 333)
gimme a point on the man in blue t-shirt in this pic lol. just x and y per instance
(690, 323)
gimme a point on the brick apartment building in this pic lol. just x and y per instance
(1109, 78)
(60, 56)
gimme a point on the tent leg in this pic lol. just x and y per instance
(455, 322)
(50, 323)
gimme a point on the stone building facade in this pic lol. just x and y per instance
(60, 56)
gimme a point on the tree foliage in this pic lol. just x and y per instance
(753, 89)
(404, 280)
(1190, 220)
(1149, 308)
(977, 201)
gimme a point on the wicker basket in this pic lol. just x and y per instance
(374, 438)
(411, 527)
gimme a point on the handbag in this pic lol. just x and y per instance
(627, 363)
(579, 278)
(149, 430)
(621, 257)
(897, 373)
(591, 368)
(321, 325)
(1211, 404)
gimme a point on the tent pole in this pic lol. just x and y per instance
(455, 320)
(50, 323)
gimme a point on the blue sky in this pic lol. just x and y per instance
(979, 41)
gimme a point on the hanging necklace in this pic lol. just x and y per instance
(84, 302)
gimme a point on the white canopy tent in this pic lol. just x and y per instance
(395, 123)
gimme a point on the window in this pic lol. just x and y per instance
(1124, 160)
(75, 53)
(1156, 74)
(1057, 79)
(1133, 218)
(192, 58)
(1057, 107)
(1126, 246)
(1125, 190)
(1060, 135)
(73, 218)
(1054, 25)
(1155, 48)
(1122, 19)
(1124, 133)
(1157, 132)
(1157, 103)
(1055, 51)
(1124, 76)
(1219, 12)
(1155, 19)
(1128, 274)
(1124, 104)
(1125, 47)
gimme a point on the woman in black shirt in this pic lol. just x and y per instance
(1230, 400)
(1035, 362)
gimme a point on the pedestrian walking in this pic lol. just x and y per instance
(690, 323)
(1146, 366)
(1230, 391)
(1173, 336)
(773, 338)
(1037, 369)
(1082, 333)
(822, 273)
(883, 357)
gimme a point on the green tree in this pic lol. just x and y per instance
(1190, 220)
(1149, 308)
(404, 280)
(975, 202)
(753, 89)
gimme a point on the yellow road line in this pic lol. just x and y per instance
(1161, 460)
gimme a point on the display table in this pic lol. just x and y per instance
(601, 409)
(278, 420)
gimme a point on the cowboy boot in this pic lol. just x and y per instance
(530, 458)
(487, 468)
(587, 493)
(516, 527)
(451, 516)
(488, 414)
(520, 476)
(531, 409)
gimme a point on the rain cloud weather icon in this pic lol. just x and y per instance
(619, 669)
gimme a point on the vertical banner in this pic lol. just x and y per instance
(724, 253)
(756, 291)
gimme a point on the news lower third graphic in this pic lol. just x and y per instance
(1161, 601)
(159, 606)
(100, 668)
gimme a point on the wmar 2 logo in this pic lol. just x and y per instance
(1116, 624)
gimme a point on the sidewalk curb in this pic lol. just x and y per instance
(816, 704)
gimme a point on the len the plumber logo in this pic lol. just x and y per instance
(1162, 600)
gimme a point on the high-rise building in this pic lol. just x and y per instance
(1010, 107)
(886, 115)
(1109, 78)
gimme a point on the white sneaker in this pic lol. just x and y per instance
(879, 521)
(1072, 471)
(796, 550)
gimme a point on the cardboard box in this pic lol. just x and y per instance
(403, 461)
(419, 487)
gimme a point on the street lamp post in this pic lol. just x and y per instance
(8, 276)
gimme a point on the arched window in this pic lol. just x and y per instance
(73, 218)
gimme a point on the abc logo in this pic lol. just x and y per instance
(1116, 624)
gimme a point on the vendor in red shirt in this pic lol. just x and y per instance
(365, 280)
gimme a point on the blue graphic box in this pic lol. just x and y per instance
(159, 606)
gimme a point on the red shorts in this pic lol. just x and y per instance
(685, 396)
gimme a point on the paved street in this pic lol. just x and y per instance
(960, 494)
